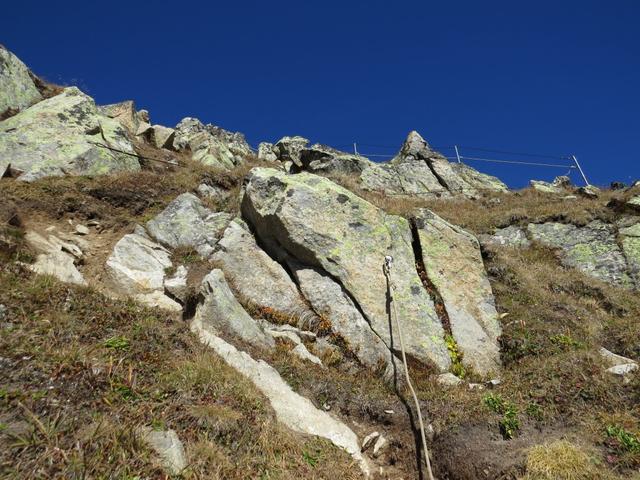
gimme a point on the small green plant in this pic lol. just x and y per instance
(117, 343)
(494, 402)
(628, 441)
(535, 411)
(158, 424)
(457, 368)
(509, 423)
(311, 460)
(565, 341)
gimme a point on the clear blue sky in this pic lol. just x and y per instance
(554, 77)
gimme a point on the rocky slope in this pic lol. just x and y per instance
(274, 262)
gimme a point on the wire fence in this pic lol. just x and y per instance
(458, 153)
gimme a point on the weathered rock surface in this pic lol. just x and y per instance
(176, 284)
(124, 113)
(415, 178)
(168, 447)
(55, 258)
(592, 249)
(325, 226)
(478, 180)
(257, 277)
(454, 265)
(211, 145)
(288, 149)
(266, 153)
(17, 89)
(293, 410)
(322, 159)
(136, 267)
(186, 222)
(511, 236)
(559, 185)
(162, 137)
(629, 238)
(416, 149)
(329, 300)
(64, 135)
(220, 313)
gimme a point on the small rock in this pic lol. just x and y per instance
(623, 371)
(82, 230)
(617, 186)
(368, 440)
(3, 312)
(301, 351)
(93, 223)
(389, 412)
(448, 379)
(380, 444)
(476, 386)
(176, 285)
(168, 446)
(570, 197)
(613, 359)
(494, 382)
(589, 191)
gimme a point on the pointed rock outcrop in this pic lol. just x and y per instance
(453, 263)
(325, 226)
(17, 89)
(65, 135)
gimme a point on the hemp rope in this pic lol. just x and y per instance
(387, 271)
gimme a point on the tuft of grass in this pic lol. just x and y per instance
(509, 423)
(561, 460)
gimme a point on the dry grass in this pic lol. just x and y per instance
(561, 460)
(81, 372)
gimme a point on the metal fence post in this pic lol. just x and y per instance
(575, 160)
(457, 153)
(355, 148)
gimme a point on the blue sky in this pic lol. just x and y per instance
(534, 77)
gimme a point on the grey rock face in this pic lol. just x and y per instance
(322, 159)
(257, 277)
(17, 89)
(56, 258)
(221, 313)
(592, 249)
(511, 236)
(162, 137)
(266, 153)
(629, 238)
(186, 222)
(323, 225)
(211, 145)
(415, 178)
(478, 180)
(454, 265)
(64, 135)
(136, 268)
(124, 113)
(288, 149)
(329, 300)
(292, 410)
(215, 192)
(176, 285)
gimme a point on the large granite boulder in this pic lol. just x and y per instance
(55, 257)
(330, 300)
(65, 135)
(322, 159)
(257, 277)
(453, 263)
(478, 180)
(136, 268)
(593, 249)
(123, 112)
(211, 145)
(17, 89)
(186, 222)
(325, 226)
(220, 313)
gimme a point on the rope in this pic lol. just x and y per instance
(387, 271)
